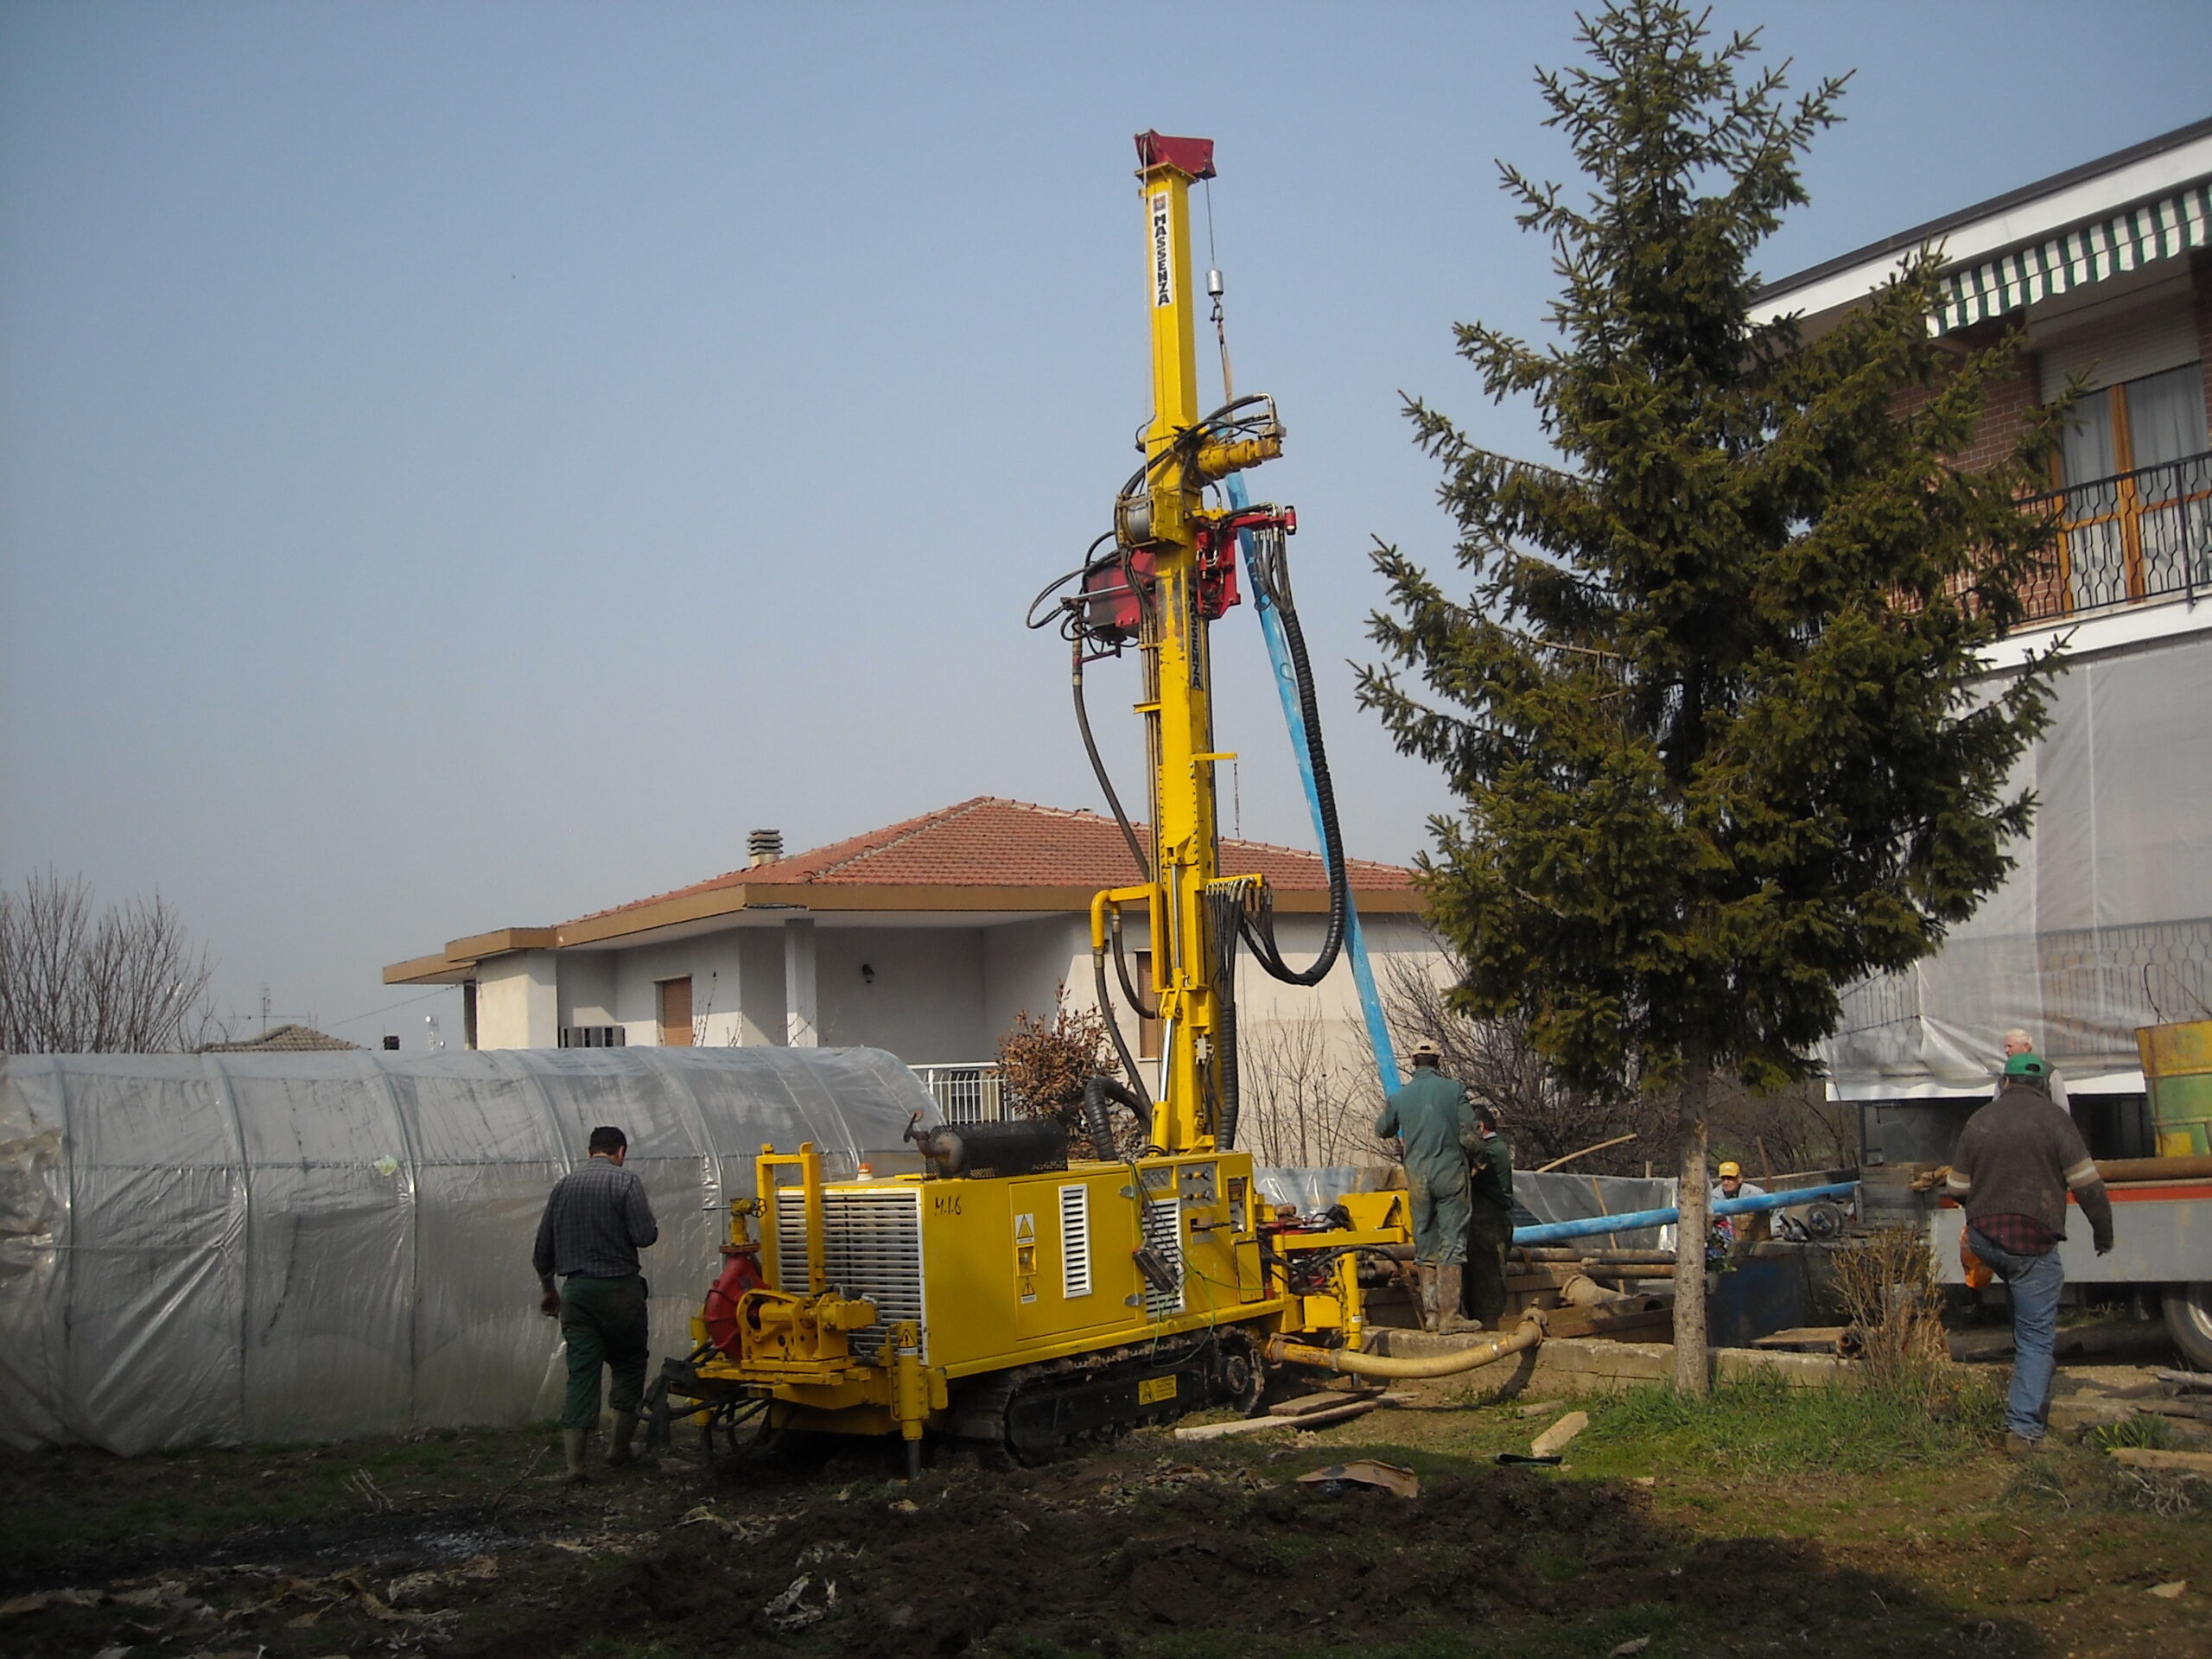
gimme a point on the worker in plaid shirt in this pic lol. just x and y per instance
(2018, 1158)
(596, 1221)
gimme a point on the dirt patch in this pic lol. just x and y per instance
(1145, 1548)
(1168, 1551)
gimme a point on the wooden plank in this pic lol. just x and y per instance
(1307, 1404)
(1254, 1425)
(1805, 1339)
(2143, 1457)
(1554, 1439)
(2186, 1379)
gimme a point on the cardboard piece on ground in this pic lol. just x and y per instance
(1367, 1472)
(2142, 1457)
(1549, 1443)
(2170, 1592)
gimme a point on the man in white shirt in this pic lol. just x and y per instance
(2019, 1042)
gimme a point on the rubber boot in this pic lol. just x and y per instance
(572, 1448)
(1427, 1276)
(1450, 1279)
(618, 1449)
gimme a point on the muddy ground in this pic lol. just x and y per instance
(458, 1546)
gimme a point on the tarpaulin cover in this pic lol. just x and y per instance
(226, 1247)
(2105, 922)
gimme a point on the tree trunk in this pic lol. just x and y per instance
(1691, 1373)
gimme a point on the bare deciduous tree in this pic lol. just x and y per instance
(1795, 1128)
(1306, 1103)
(77, 980)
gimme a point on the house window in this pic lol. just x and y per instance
(2135, 501)
(676, 1013)
(2138, 423)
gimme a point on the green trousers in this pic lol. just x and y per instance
(1490, 1236)
(603, 1321)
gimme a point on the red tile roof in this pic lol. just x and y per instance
(989, 842)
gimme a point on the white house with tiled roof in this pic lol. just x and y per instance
(925, 938)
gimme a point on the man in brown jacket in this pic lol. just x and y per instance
(2018, 1158)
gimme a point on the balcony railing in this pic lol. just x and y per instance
(965, 1094)
(2139, 535)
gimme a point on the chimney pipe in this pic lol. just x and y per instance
(764, 847)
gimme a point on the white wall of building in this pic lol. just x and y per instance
(518, 1004)
(923, 999)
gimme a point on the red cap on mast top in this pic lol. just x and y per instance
(1193, 157)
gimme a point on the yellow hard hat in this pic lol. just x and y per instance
(1732, 1168)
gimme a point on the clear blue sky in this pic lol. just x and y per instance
(465, 465)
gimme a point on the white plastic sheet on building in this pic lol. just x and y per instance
(227, 1248)
(2105, 922)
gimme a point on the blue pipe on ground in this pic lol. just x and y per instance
(1551, 1231)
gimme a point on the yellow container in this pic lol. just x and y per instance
(2177, 1073)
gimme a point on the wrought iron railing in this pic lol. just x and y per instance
(2137, 536)
(965, 1094)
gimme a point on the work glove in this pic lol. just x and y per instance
(2103, 1241)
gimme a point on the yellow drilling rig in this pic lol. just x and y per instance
(1008, 1294)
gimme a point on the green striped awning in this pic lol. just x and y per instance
(2152, 230)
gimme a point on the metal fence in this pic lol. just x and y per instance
(965, 1094)
(2137, 535)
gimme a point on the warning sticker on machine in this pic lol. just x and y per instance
(1154, 1390)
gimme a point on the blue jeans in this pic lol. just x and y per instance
(2034, 1283)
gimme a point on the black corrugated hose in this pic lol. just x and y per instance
(1257, 921)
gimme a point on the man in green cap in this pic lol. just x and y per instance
(2017, 1159)
(1434, 1123)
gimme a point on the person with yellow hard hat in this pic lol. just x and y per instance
(1732, 1185)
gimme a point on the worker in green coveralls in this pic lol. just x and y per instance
(1490, 1219)
(1439, 1138)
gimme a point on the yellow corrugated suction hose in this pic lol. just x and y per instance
(1283, 1350)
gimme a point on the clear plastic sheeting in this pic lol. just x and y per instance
(1312, 1190)
(227, 1248)
(1538, 1199)
(2105, 922)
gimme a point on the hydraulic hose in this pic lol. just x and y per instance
(1259, 930)
(1282, 1350)
(1121, 1043)
(1098, 771)
(1097, 1090)
(1122, 971)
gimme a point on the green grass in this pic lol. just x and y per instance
(1763, 1426)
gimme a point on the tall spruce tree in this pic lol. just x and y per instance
(1717, 706)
